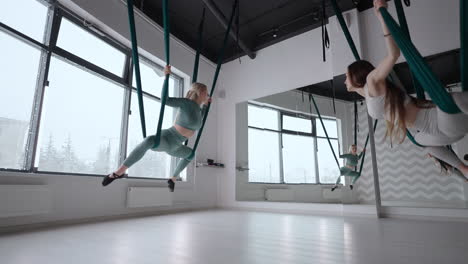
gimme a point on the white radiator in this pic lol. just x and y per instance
(279, 195)
(22, 200)
(327, 194)
(148, 197)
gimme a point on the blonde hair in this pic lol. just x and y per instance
(195, 91)
(395, 104)
(351, 148)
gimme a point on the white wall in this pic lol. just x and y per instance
(297, 62)
(77, 197)
(433, 24)
(341, 54)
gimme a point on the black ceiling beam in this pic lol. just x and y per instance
(222, 19)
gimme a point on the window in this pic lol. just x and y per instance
(264, 153)
(328, 170)
(13, 14)
(263, 117)
(297, 124)
(298, 149)
(330, 126)
(298, 159)
(19, 66)
(264, 160)
(286, 151)
(81, 43)
(81, 122)
(153, 164)
(152, 79)
(76, 123)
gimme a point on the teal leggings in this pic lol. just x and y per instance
(345, 171)
(171, 143)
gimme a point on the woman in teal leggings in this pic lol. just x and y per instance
(351, 161)
(189, 119)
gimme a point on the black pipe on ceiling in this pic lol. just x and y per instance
(222, 19)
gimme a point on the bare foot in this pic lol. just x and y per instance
(464, 170)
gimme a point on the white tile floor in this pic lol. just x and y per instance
(224, 237)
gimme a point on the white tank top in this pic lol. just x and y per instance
(376, 105)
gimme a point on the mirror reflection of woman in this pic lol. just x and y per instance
(351, 161)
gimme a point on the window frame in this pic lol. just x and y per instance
(56, 12)
(313, 134)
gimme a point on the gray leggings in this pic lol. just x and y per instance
(345, 171)
(435, 128)
(438, 128)
(444, 154)
(171, 143)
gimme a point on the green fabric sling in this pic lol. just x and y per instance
(431, 84)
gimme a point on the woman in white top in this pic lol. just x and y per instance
(432, 127)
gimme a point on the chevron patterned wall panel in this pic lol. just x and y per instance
(405, 174)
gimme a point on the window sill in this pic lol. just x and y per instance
(14, 172)
(292, 184)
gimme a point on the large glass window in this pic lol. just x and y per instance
(328, 170)
(81, 122)
(264, 162)
(330, 126)
(19, 67)
(27, 16)
(298, 159)
(152, 79)
(78, 117)
(78, 41)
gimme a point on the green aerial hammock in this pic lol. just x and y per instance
(197, 54)
(199, 47)
(431, 84)
(164, 92)
(421, 70)
(404, 26)
(215, 78)
(187, 160)
(311, 97)
(136, 64)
